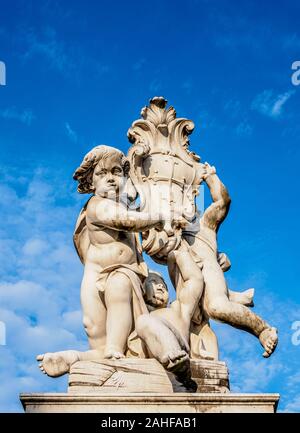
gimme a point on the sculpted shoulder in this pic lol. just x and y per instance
(94, 208)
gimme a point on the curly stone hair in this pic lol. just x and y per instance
(84, 173)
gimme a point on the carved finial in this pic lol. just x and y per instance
(157, 113)
(159, 101)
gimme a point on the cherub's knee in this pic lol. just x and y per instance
(143, 323)
(197, 282)
(91, 328)
(216, 308)
(119, 289)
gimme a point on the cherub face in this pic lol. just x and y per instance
(108, 177)
(156, 291)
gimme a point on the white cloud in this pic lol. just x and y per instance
(70, 133)
(233, 107)
(155, 85)
(25, 116)
(35, 247)
(294, 380)
(270, 104)
(139, 64)
(291, 41)
(40, 283)
(244, 129)
(293, 405)
(249, 371)
(47, 45)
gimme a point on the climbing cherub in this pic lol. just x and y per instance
(217, 302)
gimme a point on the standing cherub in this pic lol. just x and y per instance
(108, 245)
(113, 265)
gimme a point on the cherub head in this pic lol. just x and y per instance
(103, 171)
(156, 290)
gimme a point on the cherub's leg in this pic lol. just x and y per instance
(166, 347)
(94, 320)
(192, 288)
(245, 297)
(160, 340)
(94, 311)
(219, 307)
(118, 300)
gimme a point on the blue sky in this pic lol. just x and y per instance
(78, 74)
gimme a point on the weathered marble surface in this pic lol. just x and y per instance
(119, 376)
(143, 375)
(150, 403)
(139, 343)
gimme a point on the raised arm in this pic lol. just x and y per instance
(215, 214)
(107, 213)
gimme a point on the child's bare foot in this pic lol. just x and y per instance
(268, 339)
(244, 298)
(174, 359)
(179, 365)
(58, 363)
(249, 295)
(112, 353)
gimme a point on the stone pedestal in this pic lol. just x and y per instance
(150, 403)
(118, 376)
(133, 375)
(210, 376)
(135, 385)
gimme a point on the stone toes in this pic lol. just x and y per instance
(117, 355)
(165, 360)
(177, 356)
(172, 356)
(40, 357)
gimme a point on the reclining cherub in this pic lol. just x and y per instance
(166, 331)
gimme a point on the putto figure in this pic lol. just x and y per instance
(107, 243)
(218, 302)
(145, 202)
